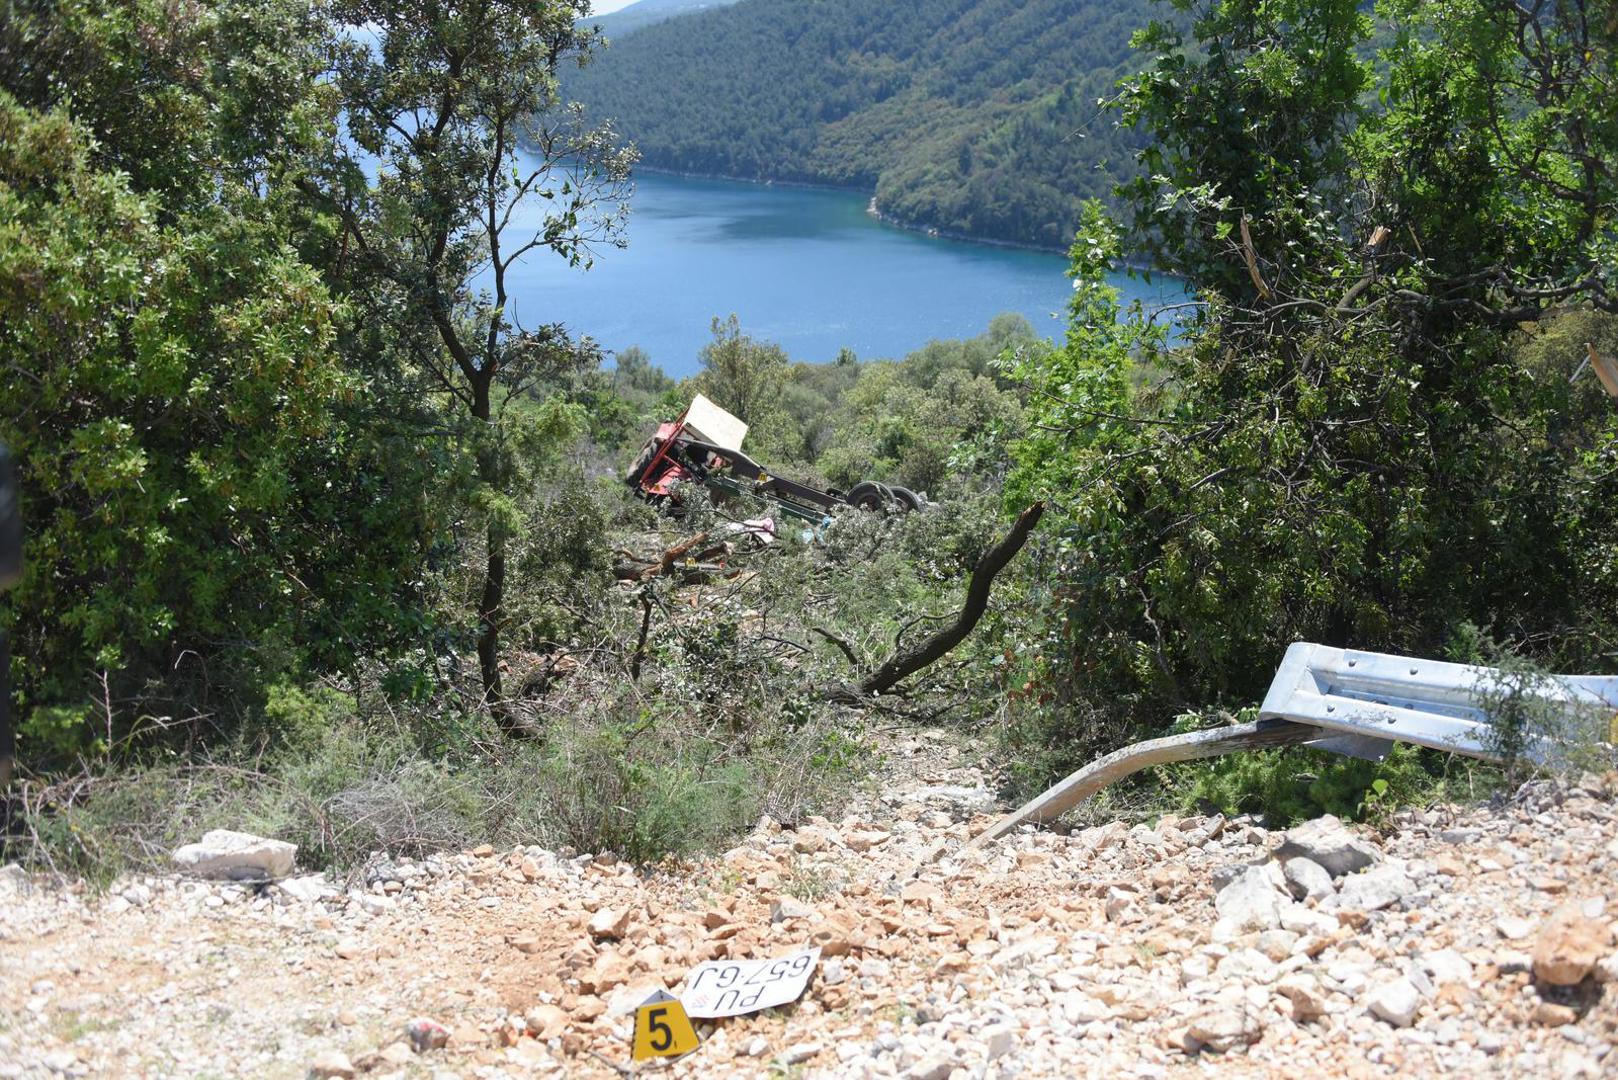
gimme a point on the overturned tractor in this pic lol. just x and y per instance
(704, 447)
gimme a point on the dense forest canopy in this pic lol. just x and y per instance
(979, 118)
(644, 13)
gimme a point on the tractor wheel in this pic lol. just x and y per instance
(908, 500)
(868, 495)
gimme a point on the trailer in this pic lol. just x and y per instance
(703, 447)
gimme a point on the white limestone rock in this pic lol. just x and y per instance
(1374, 889)
(1328, 842)
(237, 856)
(1253, 898)
(1395, 1002)
(1307, 878)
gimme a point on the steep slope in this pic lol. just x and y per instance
(970, 116)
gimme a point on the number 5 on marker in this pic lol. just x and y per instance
(662, 1029)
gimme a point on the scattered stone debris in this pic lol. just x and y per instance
(1460, 941)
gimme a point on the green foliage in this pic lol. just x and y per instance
(1079, 395)
(191, 101)
(745, 376)
(357, 773)
(644, 797)
(562, 561)
(174, 409)
(1532, 725)
(1247, 118)
(904, 421)
(976, 118)
(461, 159)
(1356, 441)
(295, 720)
(1294, 784)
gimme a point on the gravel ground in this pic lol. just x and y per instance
(1472, 941)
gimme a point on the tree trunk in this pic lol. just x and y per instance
(489, 605)
(492, 601)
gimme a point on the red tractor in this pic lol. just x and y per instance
(704, 446)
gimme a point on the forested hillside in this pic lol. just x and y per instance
(646, 13)
(971, 116)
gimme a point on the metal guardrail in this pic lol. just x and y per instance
(1360, 704)
(1366, 701)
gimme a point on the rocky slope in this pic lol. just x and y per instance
(1473, 941)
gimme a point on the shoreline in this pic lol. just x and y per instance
(870, 208)
(875, 213)
(806, 185)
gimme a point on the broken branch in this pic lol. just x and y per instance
(1606, 370)
(847, 649)
(904, 664)
(626, 570)
(640, 641)
(1251, 258)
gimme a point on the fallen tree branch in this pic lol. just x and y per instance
(721, 550)
(847, 649)
(626, 570)
(901, 665)
(673, 554)
(640, 641)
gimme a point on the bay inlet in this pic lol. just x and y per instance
(805, 268)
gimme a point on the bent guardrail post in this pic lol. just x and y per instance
(1108, 770)
(1348, 702)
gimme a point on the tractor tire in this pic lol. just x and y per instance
(907, 500)
(868, 495)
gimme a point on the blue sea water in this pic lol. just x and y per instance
(807, 269)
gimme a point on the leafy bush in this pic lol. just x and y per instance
(1294, 784)
(1354, 441)
(173, 409)
(641, 782)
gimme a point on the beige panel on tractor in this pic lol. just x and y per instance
(709, 423)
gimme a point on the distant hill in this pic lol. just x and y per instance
(648, 13)
(976, 117)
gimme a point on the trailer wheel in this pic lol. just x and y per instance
(868, 495)
(908, 500)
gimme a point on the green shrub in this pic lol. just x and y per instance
(1292, 784)
(346, 774)
(179, 414)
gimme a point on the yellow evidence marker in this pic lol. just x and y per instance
(662, 1029)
